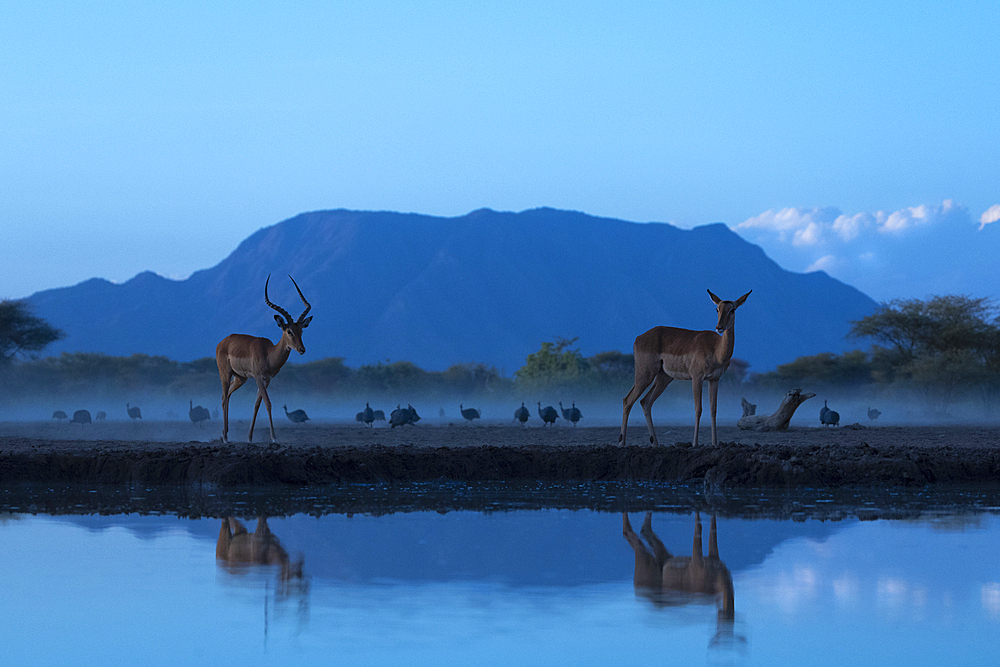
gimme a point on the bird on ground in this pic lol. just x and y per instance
(522, 414)
(80, 417)
(379, 416)
(59, 414)
(414, 417)
(360, 417)
(468, 413)
(399, 417)
(197, 413)
(101, 415)
(548, 414)
(296, 416)
(133, 411)
(574, 414)
(873, 414)
(829, 417)
(368, 415)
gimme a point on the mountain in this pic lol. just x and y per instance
(485, 287)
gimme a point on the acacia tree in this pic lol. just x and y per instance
(944, 324)
(553, 364)
(22, 332)
(942, 344)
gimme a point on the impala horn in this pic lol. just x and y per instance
(288, 318)
(304, 312)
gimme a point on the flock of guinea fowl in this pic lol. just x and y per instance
(662, 354)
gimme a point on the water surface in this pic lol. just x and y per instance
(536, 587)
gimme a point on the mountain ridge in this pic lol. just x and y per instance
(485, 287)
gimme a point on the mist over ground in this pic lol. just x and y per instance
(165, 415)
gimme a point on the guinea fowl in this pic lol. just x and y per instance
(548, 414)
(296, 416)
(828, 417)
(522, 414)
(468, 413)
(402, 416)
(197, 413)
(574, 414)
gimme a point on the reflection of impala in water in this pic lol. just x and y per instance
(659, 575)
(237, 548)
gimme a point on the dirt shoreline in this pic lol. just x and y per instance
(324, 454)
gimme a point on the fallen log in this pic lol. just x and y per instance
(777, 421)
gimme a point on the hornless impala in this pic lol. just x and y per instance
(659, 574)
(664, 354)
(241, 356)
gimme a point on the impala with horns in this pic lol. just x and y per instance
(241, 356)
(664, 354)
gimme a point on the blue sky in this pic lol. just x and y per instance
(157, 136)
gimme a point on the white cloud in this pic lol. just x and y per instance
(849, 227)
(824, 263)
(817, 226)
(907, 253)
(914, 216)
(802, 226)
(992, 214)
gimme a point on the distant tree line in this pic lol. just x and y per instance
(947, 347)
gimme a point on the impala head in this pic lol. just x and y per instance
(292, 330)
(727, 311)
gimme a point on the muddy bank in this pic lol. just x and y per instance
(936, 504)
(322, 455)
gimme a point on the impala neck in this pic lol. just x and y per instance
(278, 354)
(724, 348)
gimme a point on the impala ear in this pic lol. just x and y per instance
(281, 322)
(306, 322)
(715, 299)
(739, 301)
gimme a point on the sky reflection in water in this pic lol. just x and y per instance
(528, 587)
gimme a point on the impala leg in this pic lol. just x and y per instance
(696, 385)
(236, 526)
(261, 396)
(696, 553)
(643, 378)
(225, 537)
(648, 570)
(713, 400)
(713, 541)
(661, 382)
(229, 385)
(263, 531)
(659, 550)
(253, 421)
(267, 404)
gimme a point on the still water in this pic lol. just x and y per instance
(525, 587)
